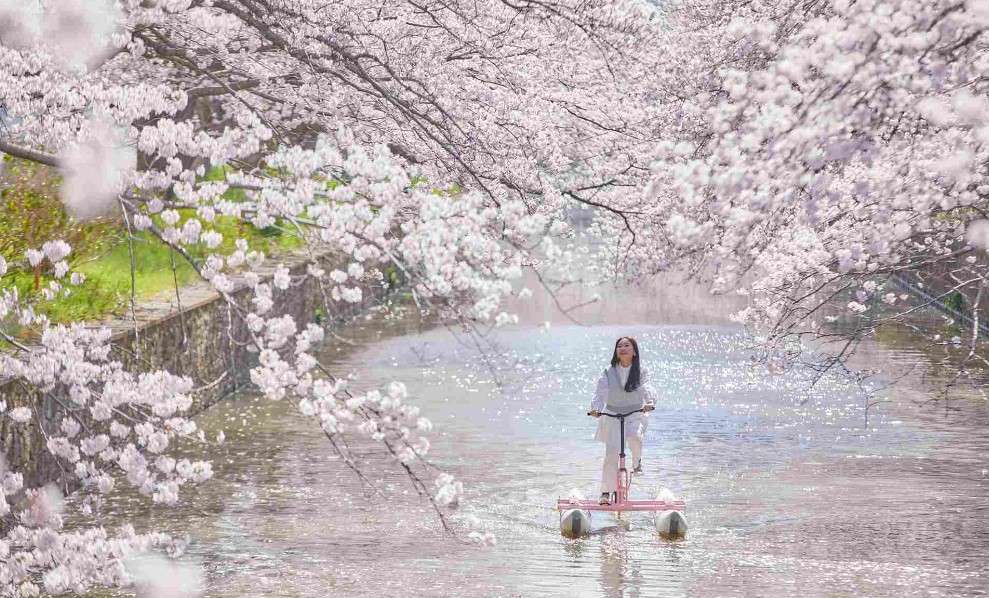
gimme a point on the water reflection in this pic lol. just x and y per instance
(788, 493)
(620, 574)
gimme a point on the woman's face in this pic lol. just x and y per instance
(625, 349)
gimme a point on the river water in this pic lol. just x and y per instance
(788, 492)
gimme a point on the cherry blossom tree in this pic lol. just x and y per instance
(445, 139)
(829, 158)
(819, 156)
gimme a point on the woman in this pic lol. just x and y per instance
(621, 389)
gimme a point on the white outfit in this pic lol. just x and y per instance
(610, 397)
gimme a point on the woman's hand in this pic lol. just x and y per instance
(648, 407)
(594, 413)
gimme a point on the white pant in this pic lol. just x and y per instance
(609, 471)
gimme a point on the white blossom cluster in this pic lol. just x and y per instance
(115, 426)
(439, 139)
(38, 555)
(814, 152)
(805, 153)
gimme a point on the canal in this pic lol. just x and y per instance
(788, 492)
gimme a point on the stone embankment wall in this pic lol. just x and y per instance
(194, 334)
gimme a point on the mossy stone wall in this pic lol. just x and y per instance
(193, 341)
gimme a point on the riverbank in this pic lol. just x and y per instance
(188, 331)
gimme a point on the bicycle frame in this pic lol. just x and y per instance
(624, 482)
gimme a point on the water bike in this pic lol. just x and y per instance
(575, 514)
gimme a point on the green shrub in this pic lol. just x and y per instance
(955, 301)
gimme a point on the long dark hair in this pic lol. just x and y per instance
(634, 375)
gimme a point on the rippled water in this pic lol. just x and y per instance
(787, 492)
